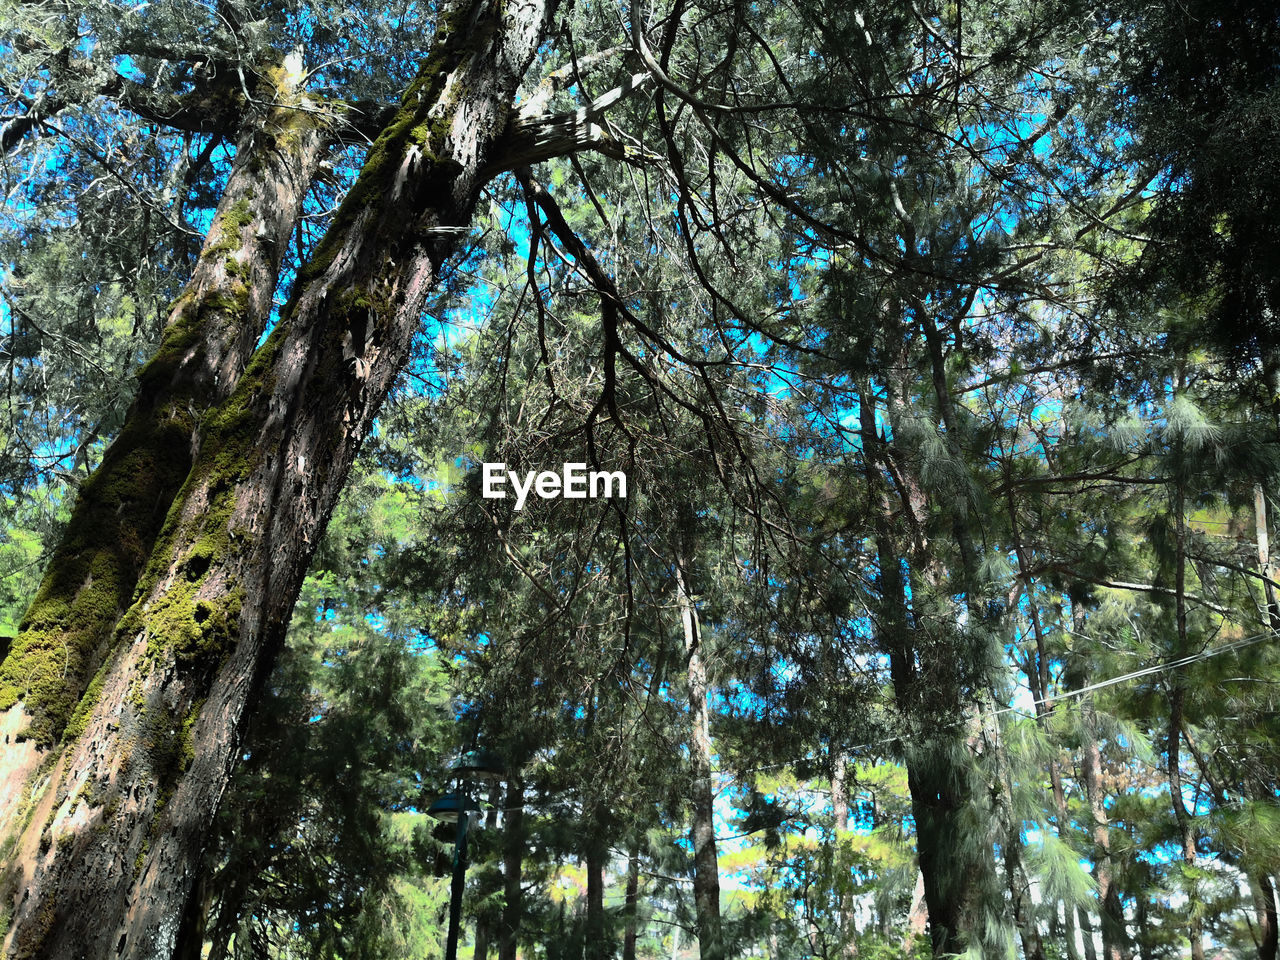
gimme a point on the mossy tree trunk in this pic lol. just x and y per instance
(106, 864)
(211, 330)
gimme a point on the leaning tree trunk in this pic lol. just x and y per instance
(66, 634)
(105, 865)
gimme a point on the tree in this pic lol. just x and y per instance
(164, 713)
(826, 282)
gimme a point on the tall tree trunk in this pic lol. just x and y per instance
(706, 868)
(512, 864)
(1111, 919)
(955, 882)
(1173, 747)
(597, 944)
(106, 863)
(1016, 880)
(631, 905)
(484, 922)
(840, 814)
(67, 633)
(1038, 678)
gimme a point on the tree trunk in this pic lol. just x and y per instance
(512, 863)
(1173, 751)
(1111, 910)
(67, 633)
(631, 904)
(1264, 904)
(1016, 880)
(1264, 556)
(917, 916)
(106, 863)
(955, 883)
(1086, 935)
(597, 945)
(840, 814)
(484, 922)
(706, 868)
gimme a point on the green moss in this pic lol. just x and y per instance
(66, 632)
(84, 709)
(141, 858)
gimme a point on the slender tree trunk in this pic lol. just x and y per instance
(1111, 919)
(1264, 556)
(512, 864)
(1038, 681)
(1173, 751)
(706, 868)
(108, 877)
(1086, 935)
(597, 944)
(67, 633)
(1018, 885)
(484, 922)
(840, 814)
(631, 904)
(1141, 916)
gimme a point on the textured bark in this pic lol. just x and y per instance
(211, 330)
(706, 868)
(134, 795)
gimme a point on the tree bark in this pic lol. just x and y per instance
(1264, 903)
(706, 868)
(106, 864)
(512, 862)
(956, 879)
(631, 904)
(67, 633)
(840, 814)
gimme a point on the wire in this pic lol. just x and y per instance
(1149, 671)
(1067, 695)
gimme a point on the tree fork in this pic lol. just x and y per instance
(108, 872)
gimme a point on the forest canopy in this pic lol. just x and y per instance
(927, 357)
